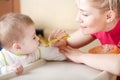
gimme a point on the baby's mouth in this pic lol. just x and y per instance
(38, 44)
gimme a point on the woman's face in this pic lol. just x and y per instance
(91, 19)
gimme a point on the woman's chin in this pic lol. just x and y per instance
(86, 32)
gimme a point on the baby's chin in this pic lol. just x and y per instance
(33, 50)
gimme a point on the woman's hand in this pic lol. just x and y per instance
(58, 34)
(71, 53)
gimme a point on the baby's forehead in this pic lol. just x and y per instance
(29, 30)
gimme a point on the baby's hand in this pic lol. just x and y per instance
(60, 35)
(17, 68)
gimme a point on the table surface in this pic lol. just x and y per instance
(42, 70)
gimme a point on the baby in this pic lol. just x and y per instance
(21, 45)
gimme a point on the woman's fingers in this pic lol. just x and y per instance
(66, 50)
(57, 34)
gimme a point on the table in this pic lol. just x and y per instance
(42, 70)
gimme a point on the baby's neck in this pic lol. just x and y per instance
(15, 52)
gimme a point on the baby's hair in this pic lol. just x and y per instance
(105, 5)
(12, 27)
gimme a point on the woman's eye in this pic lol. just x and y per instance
(85, 14)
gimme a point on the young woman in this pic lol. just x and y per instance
(99, 19)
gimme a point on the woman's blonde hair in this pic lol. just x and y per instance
(105, 5)
(12, 27)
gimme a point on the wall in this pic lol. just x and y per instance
(52, 14)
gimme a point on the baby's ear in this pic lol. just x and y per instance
(110, 16)
(16, 46)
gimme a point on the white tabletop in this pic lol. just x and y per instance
(42, 70)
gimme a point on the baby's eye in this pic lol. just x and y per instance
(34, 37)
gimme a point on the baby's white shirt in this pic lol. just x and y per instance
(47, 53)
(51, 53)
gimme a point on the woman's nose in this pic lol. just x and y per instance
(78, 18)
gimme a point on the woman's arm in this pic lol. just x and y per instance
(107, 62)
(79, 39)
(76, 40)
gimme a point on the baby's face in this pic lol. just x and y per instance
(30, 42)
